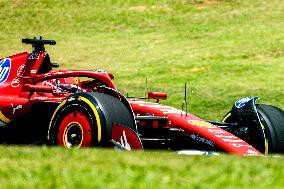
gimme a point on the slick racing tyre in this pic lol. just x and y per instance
(85, 119)
(272, 119)
(268, 137)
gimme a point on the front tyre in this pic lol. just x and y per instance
(272, 119)
(265, 131)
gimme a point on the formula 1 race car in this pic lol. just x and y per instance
(82, 108)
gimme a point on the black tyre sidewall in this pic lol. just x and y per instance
(273, 120)
(110, 111)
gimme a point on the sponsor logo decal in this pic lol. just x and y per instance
(16, 108)
(232, 140)
(201, 139)
(124, 138)
(33, 71)
(241, 145)
(100, 71)
(251, 151)
(200, 123)
(242, 102)
(225, 136)
(20, 72)
(5, 66)
(218, 131)
(123, 141)
(122, 144)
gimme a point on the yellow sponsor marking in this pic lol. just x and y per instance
(80, 98)
(4, 118)
(200, 123)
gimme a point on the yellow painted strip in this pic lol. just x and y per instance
(226, 117)
(60, 105)
(266, 147)
(4, 118)
(266, 140)
(96, 115)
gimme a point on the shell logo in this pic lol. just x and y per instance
(200, 123)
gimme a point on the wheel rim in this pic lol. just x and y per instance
(74, 130)
(73, 135)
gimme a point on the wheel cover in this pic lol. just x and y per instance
(75, 130)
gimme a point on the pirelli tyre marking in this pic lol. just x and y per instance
(99, 127)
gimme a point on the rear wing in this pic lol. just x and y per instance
(38, 44)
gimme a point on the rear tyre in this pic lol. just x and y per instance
(75, 127)
(86, 119)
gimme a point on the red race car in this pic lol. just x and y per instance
(82, 108)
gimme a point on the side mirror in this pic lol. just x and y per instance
(157, 96)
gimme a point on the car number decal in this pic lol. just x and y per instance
(34, 56)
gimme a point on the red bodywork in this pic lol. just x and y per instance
(27, 82)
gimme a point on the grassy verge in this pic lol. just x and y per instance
(94, 168)
(229, 49)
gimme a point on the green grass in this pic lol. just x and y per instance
(93, 168)
(228, 49)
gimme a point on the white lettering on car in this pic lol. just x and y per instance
(20, 73)
(34, 56)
